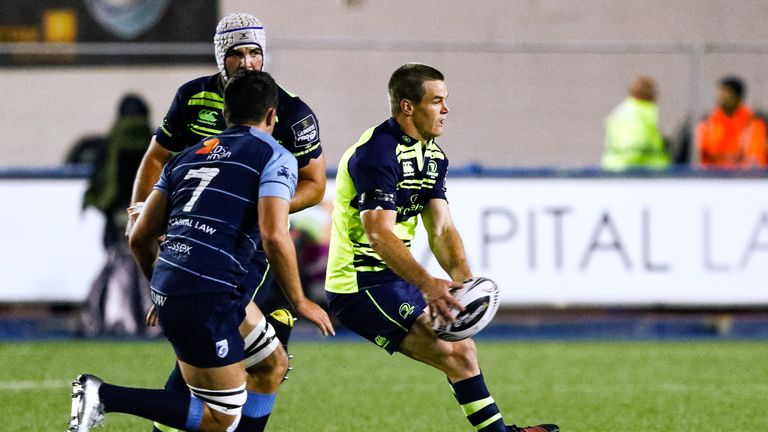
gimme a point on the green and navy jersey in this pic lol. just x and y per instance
(196, 113)
(386, 169)
(213, 190)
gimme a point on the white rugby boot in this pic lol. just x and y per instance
(87, 409)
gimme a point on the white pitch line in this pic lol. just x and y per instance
(33, 385)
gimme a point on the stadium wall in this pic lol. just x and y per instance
(531, 81)
(549, 240)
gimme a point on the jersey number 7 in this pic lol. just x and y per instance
(205, 175)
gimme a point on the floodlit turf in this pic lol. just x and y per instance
(583, 386)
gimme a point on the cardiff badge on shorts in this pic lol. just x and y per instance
(127, 19)
(222, 348)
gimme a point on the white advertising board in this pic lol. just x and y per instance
(50, 249)
(590, 241)
(546, 241)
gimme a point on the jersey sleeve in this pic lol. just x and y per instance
(169, 133)
(375, 179)
(439, 189)
(279, 176)
(303, 138)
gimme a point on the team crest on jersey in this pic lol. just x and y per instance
(285, 172)
(222, 348)
(432, 168)
(305, 131)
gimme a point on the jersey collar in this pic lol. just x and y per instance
(402, 137)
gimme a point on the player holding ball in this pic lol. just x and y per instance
(375, 286)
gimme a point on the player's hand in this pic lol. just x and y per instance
(439, 299)
(152, 319)
(129, 225)
(317, 315)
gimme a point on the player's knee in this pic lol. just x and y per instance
(218, 423)
(281, 362)
(260, 343)
(274, 367)
(464, 354)
(224, 407)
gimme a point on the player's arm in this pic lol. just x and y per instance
(379, 225)
(444, 240)
(149, 226)
(146, 176)
(281, 253)
(311, 186)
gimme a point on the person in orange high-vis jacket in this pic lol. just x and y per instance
(732, 136)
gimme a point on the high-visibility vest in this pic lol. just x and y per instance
(736, 141)
(632, 137)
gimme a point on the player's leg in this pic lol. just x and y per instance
(269, 297)
(203, 330)
(458, 360)
(391, 316)
(266, 363)
(175, 382)
(217, 396)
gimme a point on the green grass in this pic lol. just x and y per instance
(583, 386)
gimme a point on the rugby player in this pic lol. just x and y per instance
(195, 113)
(214, 203)
(375, 287)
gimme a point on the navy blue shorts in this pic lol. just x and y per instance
(383, 314)
(203, 328)
(258, 281)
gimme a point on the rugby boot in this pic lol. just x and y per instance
(87, 409)
(282, 321)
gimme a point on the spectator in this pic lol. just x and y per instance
(731, 136)
(632, 137)
(119, 297)
(88, 150)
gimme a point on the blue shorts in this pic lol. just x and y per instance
(383, 314)
(203, 328)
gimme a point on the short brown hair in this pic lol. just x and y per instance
(407, 82)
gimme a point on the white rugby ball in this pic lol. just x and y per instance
(480, 298)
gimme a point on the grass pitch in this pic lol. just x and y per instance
(582, 386)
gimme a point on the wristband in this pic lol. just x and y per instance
(135, 208)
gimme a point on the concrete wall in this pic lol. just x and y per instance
(530, 80)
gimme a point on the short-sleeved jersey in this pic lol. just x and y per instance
(213, 190)
(196, 113)
(386, 169)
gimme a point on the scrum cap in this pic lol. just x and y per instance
(237, 30)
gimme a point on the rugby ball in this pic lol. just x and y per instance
(480, 298)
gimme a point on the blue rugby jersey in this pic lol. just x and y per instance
(386, 169)
(196, 113)
(213, 190)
